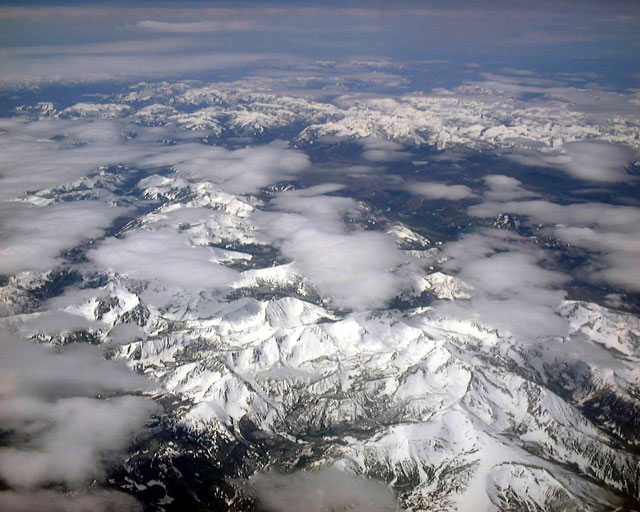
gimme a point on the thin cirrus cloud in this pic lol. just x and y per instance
(196, 27)
(69, 68)
(155, 45)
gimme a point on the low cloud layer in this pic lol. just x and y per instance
(321, 491)
(54, 501)
(376, 149)
(36, 158)
(433, 190)
(32, 238)
(45, 154)
(61, 431)
(611, 233)
(166, 256)
(354, 268)
(242, 171)
(596, 161)
(504, 188)
(510, 288)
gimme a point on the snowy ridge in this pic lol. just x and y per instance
(204, 288)
(418, 410)
(454, 414)
(469, 115)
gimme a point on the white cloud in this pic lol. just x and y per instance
(433, 190)
(353, 268)
(78, 434)
(33, 237)
(124, 333)
(321, 490)
(504, 188)
(60, 431)
(510, 289)
(44, 154)
(377, 149)
(596, 161)
(618, 260)
(611, 232)
(242, 171)
(162, 255)
(609, 216)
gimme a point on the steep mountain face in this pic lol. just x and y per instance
(276, 342)
(451, 413)
(483, 114)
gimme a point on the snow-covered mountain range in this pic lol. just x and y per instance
(285, 321)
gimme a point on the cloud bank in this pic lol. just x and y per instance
(61, 430)
(241, 171)
(32, 238)
(510, 288)
(610, 232)
(320, 491)
(162, 255)
(351, 266)
(433, 190)
(596, 161)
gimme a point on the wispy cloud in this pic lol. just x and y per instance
(433, 190)
(552, 38)
(61, 433)
(324, 489)
(510, 289)
(69, 68)
(196, 27)
(353, 268)
(156, 45)
(610, 231)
